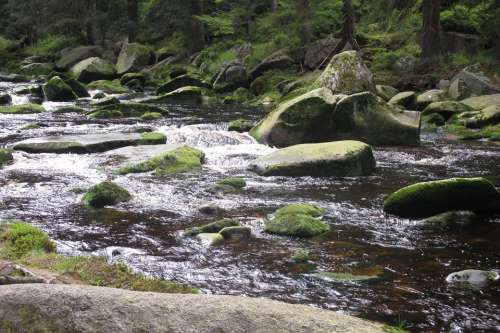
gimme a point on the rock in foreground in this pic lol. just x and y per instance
(54, 308)
(430, 198)
(340, 159)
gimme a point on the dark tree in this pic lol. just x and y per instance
(431, 41)
(133, 20)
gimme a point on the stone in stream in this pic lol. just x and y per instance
(184, 95)
(15, 78)
(430, 198)
(346, 277)
(179, 82)
(5, 99)
(482, 102)
(473, 277)
(56, 90)
(6, 156)
(129, 77)
(296, 222)
(428, 97)
(109, 100)
(229, 185)
(339, 159)
(213, 227)
(133, 58)
(36, 69)
(78, 88)
(22, 109)
(236, 233)
(240, 125)
(151, 116)
(72, 57)
(405, 99)
(304, 209)
(125, 110)
(446, 108)
(386, 92)
(109, 87)
(210, 239)
(211, 209)
(105, 194)
(93, 69)
(84, 144)
(178, 160)
(450, 220)
(69, 109)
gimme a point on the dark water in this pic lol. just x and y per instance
(363, 240)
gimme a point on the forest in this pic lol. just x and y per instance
(249, 166)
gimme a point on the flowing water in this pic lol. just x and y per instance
(145, 232)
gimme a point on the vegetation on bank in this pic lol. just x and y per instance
(31, 247)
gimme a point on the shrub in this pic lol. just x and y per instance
(51, 45)
(21, 238)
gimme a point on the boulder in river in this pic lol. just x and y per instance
(69, 109)
(106, 101)
(77, 54)
(231, 76)
(129, 77)
(36, 69)
(482, 102)
(347, 74)
(78, 88)
(133, 58)
(210, 239)
(430, 198)
(213, 227)
(473, 277)
(298, 221)
(339, 159)
(55, 307)
(428, 97)
(236, 233)
(179, 82)
(184, 95)
(125, 110)
(22, 109)
(240, 125)
(450, 220)
(105, 194)
(84, 144)
(149, 116)
(446, 109)
(93, 69)
(178, 160)
(5, 156)
(56, 90)
(5, 99)
(488, 116)
(405, 99)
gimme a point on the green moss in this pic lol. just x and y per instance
(184, 95)
(105, 114)
(22, 109)
(152, 138)
(304, 209)
(69, 109)
(297, 225)
(431, 198)
(58, 91)
(131, 109)
(300, 256)
(17, 239)
(180, 160)
(30, 126)
(104, 194)
(109, 87)
(213, 227)
(491, 132)
(394, 329)
(5, 156)
(446, 108)
(237, 183)
(151, 116)
(461, 132)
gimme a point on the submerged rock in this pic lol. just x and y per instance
(84, 144)
(178, 160)
(450, 220)
(430, 198)
(473, 277)
(305, 209)
(126, 110)
(229, 185)
(340, 159)
(5, 156)
(105, 194)
(213, 227)
(22, 109)
(240, 125)
(5, 99)
(93, 69)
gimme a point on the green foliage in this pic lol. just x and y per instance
(4, 43)
(220, 25)
(50, 45)
(17, 239)
(462, 18)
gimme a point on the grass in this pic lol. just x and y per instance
(18, 238)
(51, 45)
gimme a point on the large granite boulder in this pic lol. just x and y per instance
(55, 308)
(446, 108)
(133, 58)
(93, 69)
(56, 90)
(347, 74)
(405, 99)
(482, 102)
(72, 57)
(478, 119)
(341, 159)
(430, 198)
(471, 81)
(36, 69)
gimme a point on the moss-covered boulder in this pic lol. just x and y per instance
(229, 185)
(152, 116)
(184, 95)
(93, 69)
(133, 58)
(240, 125)
(72, 57)
(386, 92)
(213, 227)
(340, 159)
(105, 194)
(129, 77)
(433, 119)
(152, 138)
(276, 61)
(347, 74)
(22, 109)
(108, 100)
(430, 198)
(36, 69)
(428, 97)
(405, 99)
(182, 159)
(108, 87)
(450, 221)
(236, 233)
(482, 102)
(125, 110)
(446, 108)
(485, 117)
(5, 156)
(298, 221)
(78, 88)
(179, 82)
(57, 90)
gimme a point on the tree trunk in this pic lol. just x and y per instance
(197, 31)
(90, 21)
(431, 41)
(304, 14)
(133, 20)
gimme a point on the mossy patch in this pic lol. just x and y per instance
(105, 114)
(180, 160)
(5, 156)
(296, 225)
(58, 91)
(240, 125)
(22, 109)
(69, 109)
(151, 116)
(300, 256)
(305, 209)
(17, 239)
(234, 182)
(213, 227)
(109, 87)
(104, 194)
(152, 138)
(127, 110)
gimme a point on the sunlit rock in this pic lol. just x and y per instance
(473, 277)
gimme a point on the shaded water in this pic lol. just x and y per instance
(145, 232)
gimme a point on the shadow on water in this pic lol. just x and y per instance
(145, 232)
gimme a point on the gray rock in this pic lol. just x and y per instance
(179, 82)
(236, 233)
(210, 239)
(278, 60)
(109, 100)
(473, 277)
(93, 69)
(231, 76)
(341, 159)
(386, 92)
(405, 99)
(84, 309)
(37, 69)
(450, 220)
(482, 102)
(133, 58)
(428, 97)
(5, 99)
(319, 51)
(471, 81)
(77, 54)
